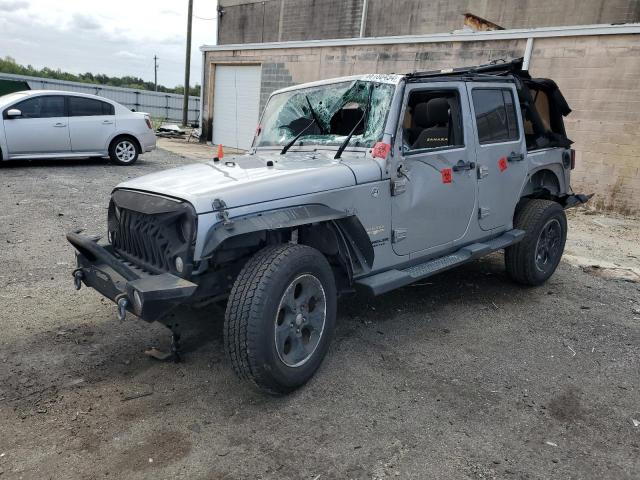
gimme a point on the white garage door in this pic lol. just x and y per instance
(236, 103)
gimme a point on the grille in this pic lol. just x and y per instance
(151, 232)
(141, 238)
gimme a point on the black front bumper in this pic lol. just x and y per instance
(149, 296)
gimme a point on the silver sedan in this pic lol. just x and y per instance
(39, 124)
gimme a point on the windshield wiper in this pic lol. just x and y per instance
(297, 137)
(315, 121)
(353, 130)
(315, 117)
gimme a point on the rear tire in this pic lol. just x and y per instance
(123, 151)
(534, 259)
(280, 317)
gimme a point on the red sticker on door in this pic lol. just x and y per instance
(502, 164)
(446, 175)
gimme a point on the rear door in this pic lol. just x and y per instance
(91, 124)
(42, 128)
(500, 152)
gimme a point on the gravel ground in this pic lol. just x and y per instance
(463, 376)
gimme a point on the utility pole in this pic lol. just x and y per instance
(155, 71)
(363, 20)
(187, 67)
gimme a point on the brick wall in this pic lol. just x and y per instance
(598, 75)
(281, 20)
(274, 77)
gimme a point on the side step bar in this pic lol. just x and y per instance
(391, 279)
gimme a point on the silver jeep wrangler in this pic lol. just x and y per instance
(368, 182)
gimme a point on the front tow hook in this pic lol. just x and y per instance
(122, 303)
(78, 275)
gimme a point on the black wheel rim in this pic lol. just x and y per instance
(300, 320)
(548, 247)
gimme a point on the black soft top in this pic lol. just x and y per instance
(497, 68)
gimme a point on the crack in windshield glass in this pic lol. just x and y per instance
(338, 107)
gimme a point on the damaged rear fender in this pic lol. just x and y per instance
(549, 179)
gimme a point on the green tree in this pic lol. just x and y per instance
(9, 65)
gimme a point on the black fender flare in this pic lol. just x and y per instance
(353, 235)
(547, 177)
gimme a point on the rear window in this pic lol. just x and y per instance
(550, 117)
(88, 107)
(495, 115)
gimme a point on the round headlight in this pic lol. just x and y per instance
(179, 264)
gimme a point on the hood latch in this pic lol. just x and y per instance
(223, 215)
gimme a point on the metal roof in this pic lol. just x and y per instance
(514, 34)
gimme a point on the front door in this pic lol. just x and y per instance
(92, 123)
(42, 128)
(501, 152)
(434, 195)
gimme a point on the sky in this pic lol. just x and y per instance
(114, 37)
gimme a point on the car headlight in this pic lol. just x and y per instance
(179, 265)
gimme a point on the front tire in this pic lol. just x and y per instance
(123, 151)
(534, 259)
(280, 317)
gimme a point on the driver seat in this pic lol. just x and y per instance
(433, 118)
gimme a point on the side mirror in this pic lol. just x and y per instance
(14, 113)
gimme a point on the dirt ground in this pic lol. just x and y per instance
(462, 376)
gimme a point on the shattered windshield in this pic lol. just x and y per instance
(328, 113)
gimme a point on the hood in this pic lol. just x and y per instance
(246, 179)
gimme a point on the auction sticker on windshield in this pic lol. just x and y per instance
(383, 78)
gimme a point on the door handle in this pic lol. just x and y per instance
(462, 166)
(515, 157)
(59, 124)
(107, 122)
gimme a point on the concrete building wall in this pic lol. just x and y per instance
(283, 20)
(408, 17)
(598, 75)
(250, 21)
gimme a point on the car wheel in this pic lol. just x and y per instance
(280, 317)
(123, 151)
(534, 259)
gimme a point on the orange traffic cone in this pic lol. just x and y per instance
(220, 155)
